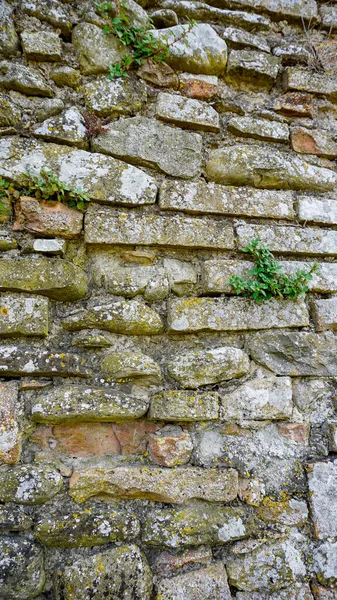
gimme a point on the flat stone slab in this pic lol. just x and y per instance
(95, 51)
(73, 403)
(317, 210)
(183, 405)
(255, 68)
(9, 40)
(203, 584)
(281, 8)
(322, 479)
(55, 278)
(325, 314)
(314, 397)
(55, 13)
(10, 446)
(238, 38)
(174, 486)
(105, 226)
(325, 564)
(201, 198)
(256, 166)
(18, 77)
(187, 112)
(306, 80)
(22, 314)
(313, 141)
(29, 484)
(118, 97)
(150, 143)
(234, 314)
(259, 129)
(66, 128)
(44, 218)
(102, 178)
(26, 361)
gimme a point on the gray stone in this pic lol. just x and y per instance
(205, 584)
(187, 112)
(182, 276)
(200, 197)
(325, 314)
(264, 397)
(42, 46)
(91, 339)
(147, 142)
(12, 518)
(285, 512)
(114, 574)
(9, 41)
(238, 38)
(29, 361)
(314, 398)
(325, 564)
(100, 177)
(332, 428)
(280, 8)
(96, 52)
(305, 80)
(260, 129)
(297, 591)
(108, 227)
(257, 166)
(10, 413)
(328, 16)
(296, 353)
(73, 403)
(173, 486)
(131, 366)
(317, 210)
(119, 97)
(58, 279)
(130, 318)
(258, 69)
(164, 17)
(22, 314)
(21, 568)
(15, 76)
(52, 11)
(10, 113)
(29, 484)
(137, 16)
(291, 53)
(56, 247)
(296, 240)
(66, 128)
(234, 314)
(65, 75)
(322, 479)
(270, 567)
(196, 368)
(197, 50)
(182, 405)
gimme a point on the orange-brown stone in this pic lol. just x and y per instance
(294, 104)
(50, 219)
(86, 439)
(170, 446)
(199, 87)
(297, 432)
(133, 437)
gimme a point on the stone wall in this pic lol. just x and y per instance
(162, 438)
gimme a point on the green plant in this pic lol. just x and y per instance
(267, 278)
(48, 187)
(7, 192)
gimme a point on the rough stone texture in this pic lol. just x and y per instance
(13, 518)
(110, 98)
(313, 141)
(277, 8)
(168, 562)
(22, 361)
(252, 67)
(205, 584)
(287, 512)
(325, 564)
(204, 367)
(237, 38)
(232, 314)
(305, 80)
(9, 41)
(323, 593)
(325, 314)
(29, 484)
(160, 75)
(187, 112)
(181, 405)
(48, 219)
(41, 46)
(173, 486)
(322, 478)
(21, 568)
(66, 128)
(10, 113)
(298, 591)
(200, 87)
(328, 15)
(14, 76)
(53, 12)
(131, 366)
(65, 75)
(182, 276)
(22, 314)
(121, 572)
(105, 226)
(317, 210)
(255, 165)
(147, 142)
(71, 403)
(260, 129)
(10, 442)
(95, 51)
(294, 104)
(200, 197)
(170, 446)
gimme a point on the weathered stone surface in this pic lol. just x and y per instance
(21, 361)
(313, 141)
(323, 593)
(251, 491)
(294, 104)
(328, 16)
(77, 440)
(9, 41)
(10, 446)
(170, 446)
(182, 276)
(131, 366)
(105, 226)
(264, 397)
(174, 486)
(201, 87)
(48, 219)
(29, 484)
(201, 49)
(118, 97)
(205, 584)
(322, 478)
(292, 53)
(238, 38)
(192, 526)
(187, 112)
(10, 113)
(325, 564)
(66, 128)
(158, 74)
(147, 142)
(52, 11)
(72, 403)
(12, 518)
(325, 314)
(134, 436)
(91, 339)
(114, 574)
(195, 368)
(167, 562)
(297, 240)
(296, 432)
(164, 18)
(317, 210)
(260, 129)
(53, 247)
(232, 314)
(288, 512)
(305, 80)
(296, 353)
(270, 567)
(332, 428)
(181, 405)
(15, 76)
(89, 527)
(102, 178)
(65, 75)
(297, 591)
(314, 398)
(21, 568)
(257, 166)
(280, 8)
(23, 315)
(95, 51)
(131, 318)
(255, 68)
(57, 279)
(41, 45)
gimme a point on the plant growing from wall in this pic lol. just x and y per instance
(7, 193)
(48, 187)
(267, 278)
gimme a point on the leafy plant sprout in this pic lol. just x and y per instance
(267, 279)
(48, 187)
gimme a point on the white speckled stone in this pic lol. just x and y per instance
(187, 112)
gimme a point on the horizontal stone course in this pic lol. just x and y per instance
(325, 314)
(305, 80)
(30, 361)
(322, 479)
(186, 112)
(183, 405)
(29, 484)
(318, 210)
(22, 314)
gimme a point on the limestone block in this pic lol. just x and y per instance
(15, 76)
(305, 80)
(328, 16)
(317, 210)
(117, 97)
(325, 563)
(9, 41)
(13, 518)
(56, 247)
(65, 75)
(29, 484)
(280, 8)
(332, 427)
(204, 584)
(256, 68)
(131, 366)
(187, 112)
(21, 568)
(42, 46)
(325, 314)
(294, 104)
(95, 51)
(287, 512)
(297, 240)
(182, 276)
(297, 591)
(10, 443)
(22, 314)
(10, 113)
(53, 12)
(66, 128)
(182, 405)
(20, 361)
(322, 478)
(259, 129)
(238, 38)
